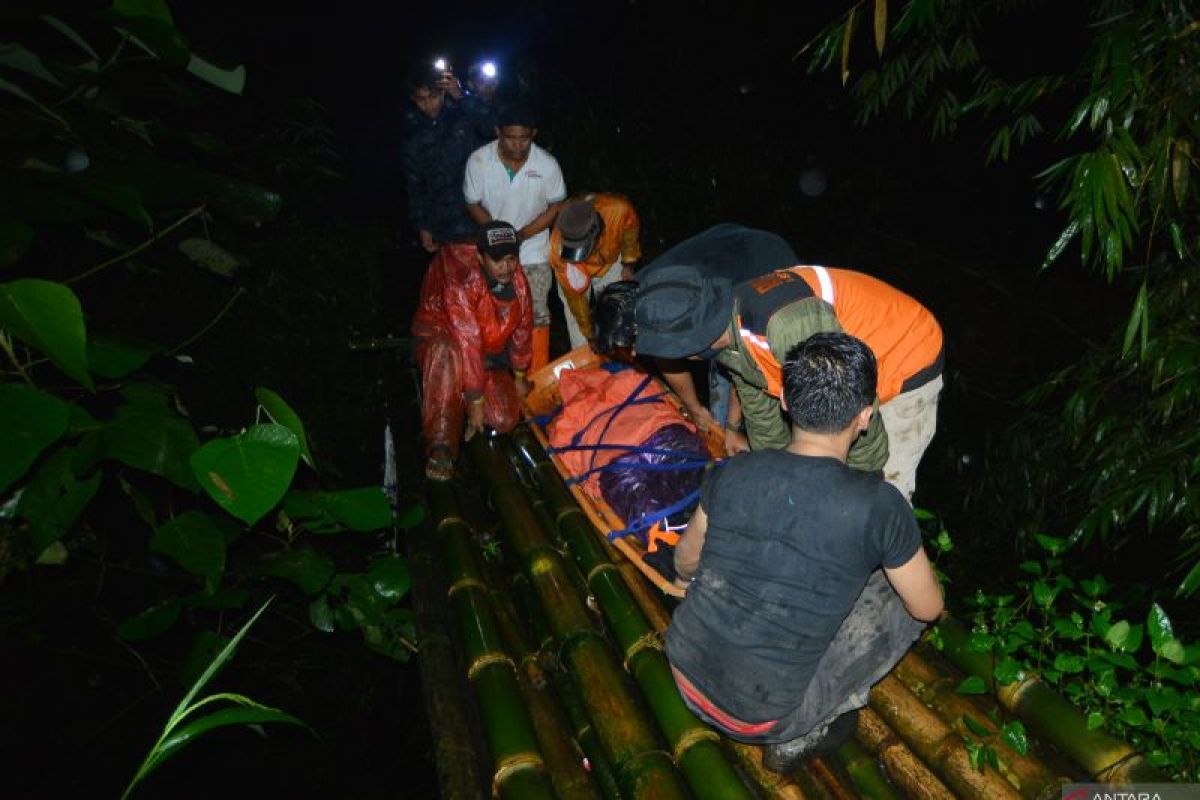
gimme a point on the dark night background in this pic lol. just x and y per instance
(698, 112)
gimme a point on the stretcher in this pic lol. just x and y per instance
(540, 404)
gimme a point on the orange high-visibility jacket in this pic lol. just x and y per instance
(620, 240)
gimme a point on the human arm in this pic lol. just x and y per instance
(736, 440)
(918, 587)
(687, 550)
(766, 428)
(677, 375)
(539, 223)
(477, 212)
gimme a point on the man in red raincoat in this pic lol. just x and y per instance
(473, 329)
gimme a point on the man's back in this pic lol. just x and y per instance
(780, 573)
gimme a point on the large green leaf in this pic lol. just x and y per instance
(54, 499)
(305, 567)
(249, 473)
(30, 421)
(155, 439)
(15, 239)
(47, 316)
(389, 577)
(364, 509)
(283, 414)
(151, 622)
(195, 541)
(115, 357)
(1158, 625)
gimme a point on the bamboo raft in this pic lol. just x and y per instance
(557, 633)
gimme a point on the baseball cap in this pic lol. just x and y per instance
(498, 239)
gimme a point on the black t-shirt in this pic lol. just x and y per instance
(790, 544)
(729, 251)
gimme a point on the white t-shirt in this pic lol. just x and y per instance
(518, 201)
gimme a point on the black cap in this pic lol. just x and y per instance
(579, 225)
(680, 312)
(498, 239)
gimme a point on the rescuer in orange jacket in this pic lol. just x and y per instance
(473, 330)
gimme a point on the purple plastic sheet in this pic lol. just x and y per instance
(631, 492)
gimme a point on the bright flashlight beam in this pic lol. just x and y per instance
(488, 69)
(440, 64)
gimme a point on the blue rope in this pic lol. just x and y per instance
(628, 448)
(646, 521)
(613, 466)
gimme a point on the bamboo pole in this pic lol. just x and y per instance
(1051, 716)
(902, 765)
(696, 747)
(455, 754)
(560, 748)
(834, 786)
(864, 771)
(519, 767)
(643, 769)
(936, 744)
(1031, 777)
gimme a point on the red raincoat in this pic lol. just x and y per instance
(458, 324)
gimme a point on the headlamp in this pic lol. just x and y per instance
(440, 64)
(488, 69)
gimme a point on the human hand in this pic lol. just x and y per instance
(703, 418)
(427, 241)
(626, 273)
(449, 84)
(523, 386)
(736, 442)
(474, 419)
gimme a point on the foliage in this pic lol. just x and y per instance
(1137, 680)
(1124, 115)
(180, 731)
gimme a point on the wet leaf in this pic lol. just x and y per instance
(47, 317)
(239, 715)
(1068, 663)
(195, 541)
(1008, 671)
(1095, 721)
(972, 685)
(155, 439)
(1014, 735)
(248, 474)
(321, 615)
(389, 577)
(282, 414)
(151, 622)
(30, 421)
(115, 357)
(309, 570)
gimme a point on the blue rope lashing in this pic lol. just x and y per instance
(613, 466)
(645, 521)
(629, 448)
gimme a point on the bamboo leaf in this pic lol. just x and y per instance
(881, 16)
(47, 316)
(231, 80)
(69, 32)
(1065, 238)
(851, 20)
(1136, 320)
(1190, 582)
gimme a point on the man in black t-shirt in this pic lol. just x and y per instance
(788, 619)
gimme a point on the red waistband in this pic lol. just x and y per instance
(731, 724)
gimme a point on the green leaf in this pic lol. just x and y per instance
(1008, 671)
(305, 567)
(115, 357)
(1158, 625)
(231, 80)
(922, 514)
(1014, 735)
(239, 715)
(1095, 721)
(1137, 319)
(976, 727)
(1190, 582)
(1172, 650)
(47, 317)
(249, 473)
(14, 56)
(363, 509)
(410, 517)
(30, 421)
(195, 541)
(155, 439)
(112, 193)
(1068, 663)
(151, 622)
(281, 413)
(980, 642)
(1065, 238)
(1163, 700)
(1117, 635)
(1133, 716)
(1051, 544)
(205, 647)
(15, 240)
(321, 615)
(54, 499)
(151, 9)
(972, 685)
(389, 577)
(69, 32)
(226, 599)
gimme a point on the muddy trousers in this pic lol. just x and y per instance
(911, 420)
(443, 406)
(875, 635)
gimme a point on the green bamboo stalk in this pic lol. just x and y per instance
(519, 766)
(901, 764)
(643, 770)
(455, 753)
(1031, 777)
(695, 746)
(770, 785)
(864, 771)
(938, 746)
(1052, 716)
(562, 750)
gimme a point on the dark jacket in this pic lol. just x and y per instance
(435, 153)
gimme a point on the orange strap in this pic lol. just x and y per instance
(659, 533)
